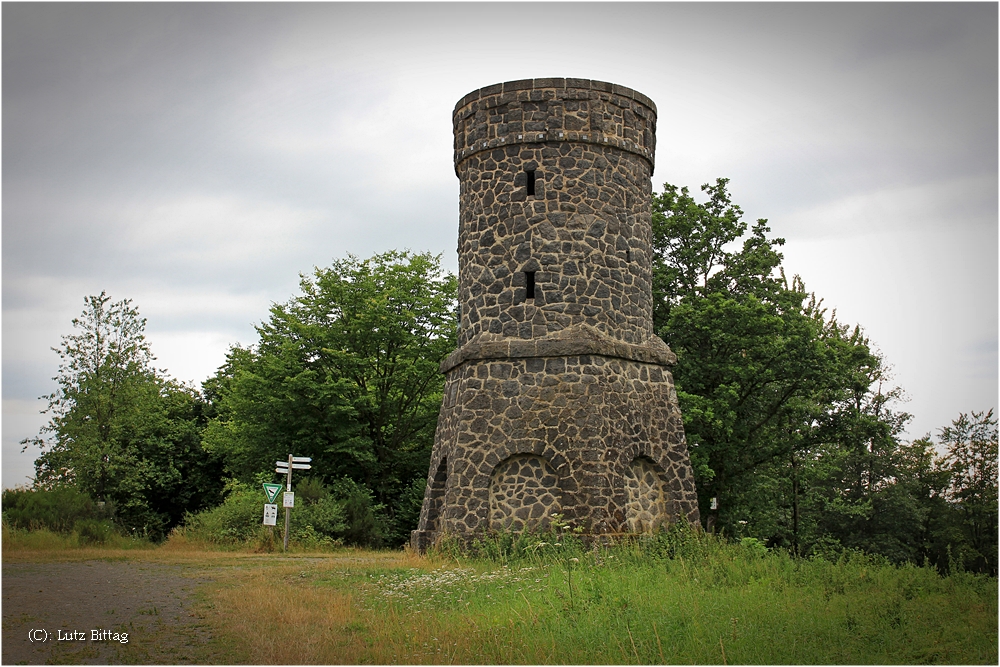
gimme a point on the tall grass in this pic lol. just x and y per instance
(678, 597)
(671, 599)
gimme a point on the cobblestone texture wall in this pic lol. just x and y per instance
(585, 231)
(558, 397)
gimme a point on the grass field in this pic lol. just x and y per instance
(698, 601)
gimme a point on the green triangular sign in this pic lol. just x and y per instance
(272, 491)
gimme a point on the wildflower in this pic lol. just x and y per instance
(574, 560)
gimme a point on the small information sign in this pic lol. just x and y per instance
(288, 499)
(270, 514)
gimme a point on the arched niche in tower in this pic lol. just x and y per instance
(648, 506)
(524, 492)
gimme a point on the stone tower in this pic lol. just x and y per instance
(559, 397)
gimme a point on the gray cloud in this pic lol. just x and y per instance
(198, 157)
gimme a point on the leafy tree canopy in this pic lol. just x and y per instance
(120, 430)
(971, 460)
(788, 413)
(347, 373)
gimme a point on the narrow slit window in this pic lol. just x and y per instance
(628, 255)
(529, 284)
(531, 182)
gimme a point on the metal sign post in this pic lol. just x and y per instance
(288, 510)
(285, 468)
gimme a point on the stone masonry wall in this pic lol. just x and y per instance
(590, 418)
(559, 397)
(586, 229)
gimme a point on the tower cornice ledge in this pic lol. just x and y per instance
(575, 341)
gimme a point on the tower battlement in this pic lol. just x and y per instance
(533, 111)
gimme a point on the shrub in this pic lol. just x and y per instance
(318, 519)
(754, 546)
(311, 490)
(363, 527)
(58, 509)
(94, 531)
(235, 521)
(407, 513)
(325, 516)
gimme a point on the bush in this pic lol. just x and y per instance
(235, 521)
(85, 533)
(360, 514)
(94, 531)
(754, 546)
(325, 516)
(311, 490)
(407, 513)
(317, 520)
(58, 510)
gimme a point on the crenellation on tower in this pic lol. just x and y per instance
(559, 397)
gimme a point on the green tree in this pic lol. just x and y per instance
(750, 358)
(873, 499)
(121, 431)
(787, 413)
(104, 370)
(690, 256)
(347, 373)
(941, 536)
(971, 459)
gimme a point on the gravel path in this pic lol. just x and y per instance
(100, 612)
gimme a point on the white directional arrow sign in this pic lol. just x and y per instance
(295, 466)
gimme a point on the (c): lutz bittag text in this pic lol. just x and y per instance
(94, 636)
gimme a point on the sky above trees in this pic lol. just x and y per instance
(197, 158)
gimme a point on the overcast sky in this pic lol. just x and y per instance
(196, 158)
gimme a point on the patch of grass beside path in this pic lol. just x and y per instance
(725, 605)
(706, 603)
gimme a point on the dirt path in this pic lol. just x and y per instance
(100, 612)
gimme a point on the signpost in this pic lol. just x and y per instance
(288, 499)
